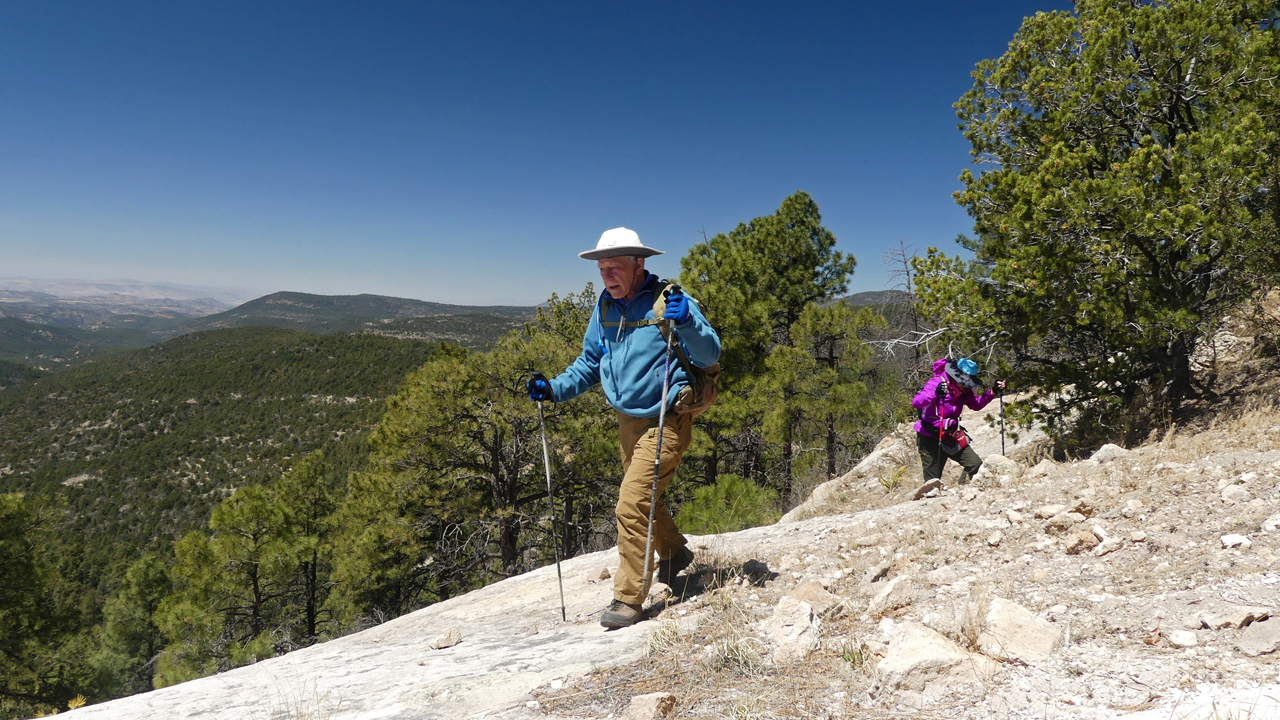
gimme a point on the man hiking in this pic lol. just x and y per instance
(938, 433)
(625, 351)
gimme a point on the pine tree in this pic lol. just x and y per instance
(756, 281)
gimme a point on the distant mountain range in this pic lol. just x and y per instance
(43, 330)
(877, 297)
(341, 313)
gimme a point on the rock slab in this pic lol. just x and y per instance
(898, 592)
(795, 629)
(918, 656)
(1260, 638)
(1012, 632)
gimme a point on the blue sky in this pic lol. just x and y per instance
(465, 152)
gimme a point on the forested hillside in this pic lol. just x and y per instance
(142, 445)
(343, 313)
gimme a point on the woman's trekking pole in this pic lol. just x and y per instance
(1001, 396)
(555, 533)
(657, 455)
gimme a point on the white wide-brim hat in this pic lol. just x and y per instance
(616, 242)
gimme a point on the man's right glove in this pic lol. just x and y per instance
(539, 389)
(941, 390)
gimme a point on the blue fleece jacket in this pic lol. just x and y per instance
(628, 362)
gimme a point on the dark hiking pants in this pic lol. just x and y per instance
(933, 458)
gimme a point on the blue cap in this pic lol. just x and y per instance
(967, 366)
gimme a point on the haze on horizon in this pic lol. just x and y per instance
(466, 154)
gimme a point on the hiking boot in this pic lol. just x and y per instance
(669, 569)
(620, 615)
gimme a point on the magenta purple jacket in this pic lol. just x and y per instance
(932, 409)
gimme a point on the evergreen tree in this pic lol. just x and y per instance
(756, 281)
(230, 589)
(817, 385)
(42, 644)
(130, 640)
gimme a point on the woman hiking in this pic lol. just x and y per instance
(938, 432)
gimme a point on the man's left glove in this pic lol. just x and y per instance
(677, 310)
(539, 389)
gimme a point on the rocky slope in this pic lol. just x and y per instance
(1135, 583)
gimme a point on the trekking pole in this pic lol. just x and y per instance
(1000, 394)
(555, 535)
(657, 456)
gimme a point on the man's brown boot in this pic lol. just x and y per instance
(620, 614)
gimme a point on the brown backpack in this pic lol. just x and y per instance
(700, 394)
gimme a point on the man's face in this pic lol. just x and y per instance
(621, 275)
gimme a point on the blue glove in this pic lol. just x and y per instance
(539, 389)
(677, 310)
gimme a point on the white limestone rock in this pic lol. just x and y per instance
(447, 639)
(1012, 632)
(1236, 495)
(795, 629)
(898, 592)
(917, 656)
(1109, 452)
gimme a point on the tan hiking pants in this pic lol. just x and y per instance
(638, 438)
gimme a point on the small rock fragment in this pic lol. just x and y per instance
(1041, 468)
(795, 629)
(659, 593)
(1063, 522)
(1233, 617)
(1137, 536)
(1182, 638)
(944, 575)
(876, 572)
(1236, 494)
(653, 706)
(1109, 452)
(604, 574)
(1271, 524)
(817, 596)
(898, 592)
(1260, 638)
(1236, 541)
(1013, 516)
(1044, 512)
(1040, 575)
(447, 639)
(994, 538)
(1109, 545)
(1131, 508)
(1082, 507)
(1012, 632)
(1079, 542)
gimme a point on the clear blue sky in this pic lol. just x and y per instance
(465, 152)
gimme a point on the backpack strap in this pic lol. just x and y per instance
(627, 324)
